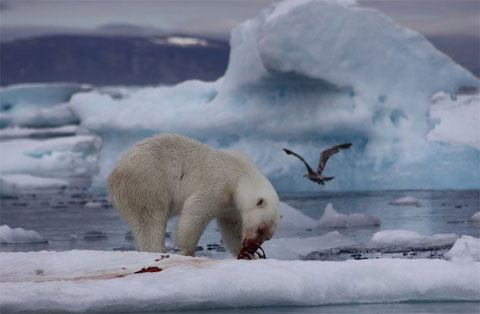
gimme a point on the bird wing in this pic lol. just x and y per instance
(289, 152)
(329, 152)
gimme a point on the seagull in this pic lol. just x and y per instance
(317, 176)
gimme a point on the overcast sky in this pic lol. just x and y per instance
(217, 18)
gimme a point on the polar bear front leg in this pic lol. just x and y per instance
(196, 214)
(231, 229)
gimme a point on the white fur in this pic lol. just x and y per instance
(170, 175)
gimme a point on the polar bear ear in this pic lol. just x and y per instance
(261, 202)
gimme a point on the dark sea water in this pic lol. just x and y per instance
(81, 219)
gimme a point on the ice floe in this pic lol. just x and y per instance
(18, 235)
(332, 219)
(406, 200)
(402, 240)
(100, 281)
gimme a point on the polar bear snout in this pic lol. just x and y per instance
(261, 234)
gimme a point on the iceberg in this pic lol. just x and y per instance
(303, 75)
(332, 219)
(475, 217)
(18, 235)
(53, 282)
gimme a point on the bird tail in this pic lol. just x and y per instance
(328, 178)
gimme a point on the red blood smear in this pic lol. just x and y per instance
(151, 269)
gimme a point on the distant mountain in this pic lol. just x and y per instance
(112, 60)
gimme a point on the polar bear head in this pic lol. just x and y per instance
(257, 201)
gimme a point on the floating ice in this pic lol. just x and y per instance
(402, 240)
(14, 184)
(406, 200)
(465, 249)
(293, 221)
(296, 248)
(475, 218)
(18, 235)
(332, 219)
(53, 281)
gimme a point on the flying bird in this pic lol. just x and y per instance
(316, 176)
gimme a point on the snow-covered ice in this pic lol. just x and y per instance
(303, 75)
(465, 249)
(401, 240)
(18, 235)
(54, 281)
(332, 219)
(406, 200)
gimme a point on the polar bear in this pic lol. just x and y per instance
(169, 174)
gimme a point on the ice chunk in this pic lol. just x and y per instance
(296, 248)
(456, 120)
(18, 235)
(293, 221)
(53, 281)
(401, 240)
(475, 218)
(332, 219)
(407, 201)
(14, 184)
(465, 249)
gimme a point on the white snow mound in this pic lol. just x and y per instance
(18, 235)
(100, 281)
(465, 249)
(332, 219)
(405, 239)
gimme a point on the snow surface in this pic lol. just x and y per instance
(104, 281)
(465, 249)
(332, 219)
(401, 240)
(18, 235)
(303, 75)
(406, 200)
(13, 184)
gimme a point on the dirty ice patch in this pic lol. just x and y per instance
(53, 281)
(333, 219)
(19, 235)
(465, 249)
